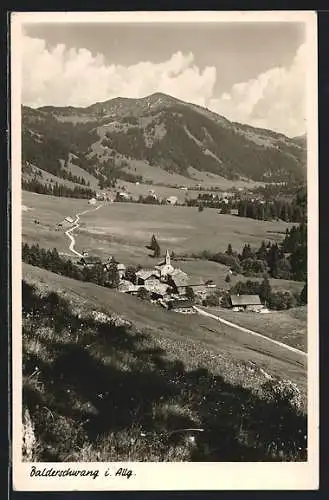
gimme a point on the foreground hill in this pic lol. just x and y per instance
(190, 332)
(108, 378)
(158, 131)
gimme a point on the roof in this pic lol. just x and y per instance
(158, 288)
(178, 273)
(127, 286)
(144, 274)
(180, 278)
(121, 267)
(245, 300)
(90, 259)
(177, 304)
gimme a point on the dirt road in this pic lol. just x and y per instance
(76, 226)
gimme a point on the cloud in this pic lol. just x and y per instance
(62, 76)
(66, 76)
(275, 99)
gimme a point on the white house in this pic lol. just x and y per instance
(172, 200)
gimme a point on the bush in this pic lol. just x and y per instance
(225, 300)
(252, 266)
(228, 278)
(211, 301)
(189, 292)
(281, 300)
(143, 294)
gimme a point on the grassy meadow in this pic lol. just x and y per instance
(108, 378)
(123, 229)
(289, 327)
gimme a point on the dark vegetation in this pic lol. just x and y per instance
(271, 204)
(155, 247)
(51, 260)
(56, 189)
(92, 386)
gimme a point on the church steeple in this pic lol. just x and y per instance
(167, 258)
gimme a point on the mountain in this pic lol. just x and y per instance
(300, 140)
(160, 131)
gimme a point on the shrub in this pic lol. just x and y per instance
(143, 294)
(211, 301)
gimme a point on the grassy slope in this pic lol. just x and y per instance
(289, 327)
(97, 386)
(189, 332)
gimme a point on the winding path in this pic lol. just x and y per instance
(75, 226)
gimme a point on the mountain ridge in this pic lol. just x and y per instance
(161, 131)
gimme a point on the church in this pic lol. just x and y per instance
(165, 267)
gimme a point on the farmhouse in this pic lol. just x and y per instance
(179, 281)
(182, 306)
(89, 260)
(147, 276)
(69, 219)
(92, 201)
(157, 289)
(126, 286)
(246, 303)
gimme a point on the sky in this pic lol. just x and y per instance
(252, 73)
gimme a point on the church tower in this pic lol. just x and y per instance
(168, 263)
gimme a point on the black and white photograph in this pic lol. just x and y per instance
(164, 222)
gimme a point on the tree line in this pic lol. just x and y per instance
(50, 260)
(276, 300)
(287, 260)
(55, 189)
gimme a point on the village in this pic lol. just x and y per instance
(170, 287)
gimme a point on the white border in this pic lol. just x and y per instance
(173, 476)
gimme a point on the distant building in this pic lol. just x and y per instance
(172, 200)
(123, 196)
(69, 219)
(246, 303)
(121, 270)
(92, 201)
